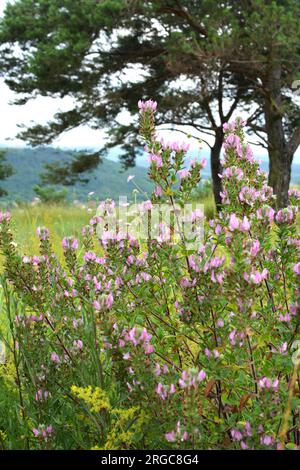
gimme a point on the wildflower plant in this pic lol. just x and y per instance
(160, 344)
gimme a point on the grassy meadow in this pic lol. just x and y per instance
(68, 219)
(63, 220)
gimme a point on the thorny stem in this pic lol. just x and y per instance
(252, 364)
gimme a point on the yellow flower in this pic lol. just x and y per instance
(96, 398)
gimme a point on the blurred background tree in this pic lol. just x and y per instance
(51, 195)
(202, 63)
(6, 170)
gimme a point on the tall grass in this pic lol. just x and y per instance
(63, 220)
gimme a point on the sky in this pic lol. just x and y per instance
(42, 109)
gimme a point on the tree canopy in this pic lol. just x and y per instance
(200, 62)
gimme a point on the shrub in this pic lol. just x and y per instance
(51, 195)
(164, 344)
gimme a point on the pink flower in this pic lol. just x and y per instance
(207, 352)
(145, 276)
(233, 223)
(256, 277)
(232, 337)
(264, 383)
(49, 429)
(247, 430)
(296, 268)
(145, 105)
(64, 243)
(156, 160)
(74, 244)
(55, 357)
(269, 213)
(149, 349)
(267, 440)
(201, 375)
(69, 243)
(160, 390)
(245, 225)
(275, 385)
(197, 214)
(255, 248)
(170, 436)
(146, 206)
(131, 336)
(78, 344)
(145, 336)
(4, 216)
(218, 229)
(285, 318)
(236, 435)
(286, 215)
(158, 191)
(40, 395)
(283, 348)
(42, 233)
(183, 174)
(89, 256)
(96, 305)
(36, 432)
(109, 301)
(177, 146)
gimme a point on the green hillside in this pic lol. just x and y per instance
(109, 180)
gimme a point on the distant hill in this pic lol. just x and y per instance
(107, 181)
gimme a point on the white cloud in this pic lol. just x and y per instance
(40, 110)
(2, 6)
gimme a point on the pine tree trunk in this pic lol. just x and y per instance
(280, 159)
(216, 169)
(280, 174)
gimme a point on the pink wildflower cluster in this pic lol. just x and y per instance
(43, 432)
(43, 233)
(147, 105)
(42, 395)
(178, 435)
(135, 338)
(269, 384)
(191, 378)
(196, 342)
(69, 243)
